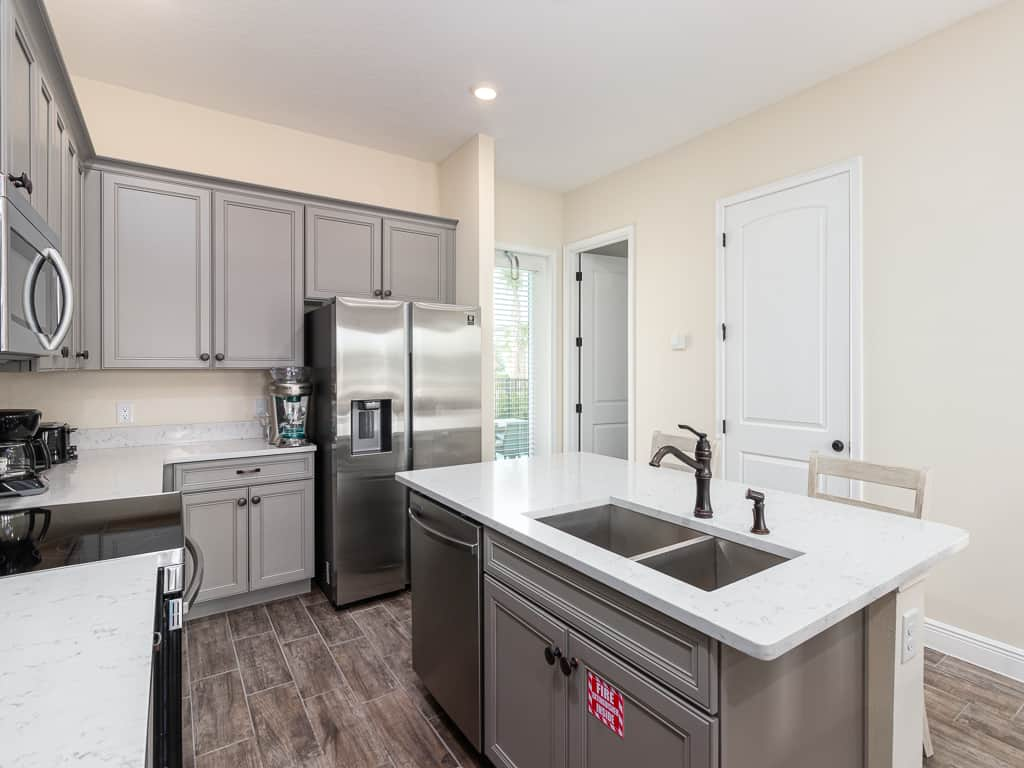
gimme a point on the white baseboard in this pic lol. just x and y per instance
(980, 651)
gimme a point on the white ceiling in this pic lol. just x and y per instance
(585, 86)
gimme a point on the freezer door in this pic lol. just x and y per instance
(446, 416)
(363, 512)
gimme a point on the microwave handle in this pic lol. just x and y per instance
(49, 343)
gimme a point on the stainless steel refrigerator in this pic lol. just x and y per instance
(396, 386)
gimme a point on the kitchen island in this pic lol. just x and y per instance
(830, 581)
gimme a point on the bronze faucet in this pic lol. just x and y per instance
(700, 464)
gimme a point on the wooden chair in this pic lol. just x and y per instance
(685, 443)
(879, 474)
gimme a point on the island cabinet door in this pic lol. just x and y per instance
(619, 718)
(524, 688)
(218, 523)
(280, 533)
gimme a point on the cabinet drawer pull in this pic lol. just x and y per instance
(219, 357)
(253, 471)
(256, 499)
(205, 356)
(242, 502)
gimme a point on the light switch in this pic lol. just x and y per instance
(680, 341)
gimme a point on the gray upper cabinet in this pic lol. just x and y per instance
(45, 192)
(343, 253)
(19, 102)
(156, 274)
(524, 689)
(280, 533)
(257, 282)
(419, 261)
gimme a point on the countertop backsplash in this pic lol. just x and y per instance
(165, 434)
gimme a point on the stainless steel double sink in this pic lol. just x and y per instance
(701, 560)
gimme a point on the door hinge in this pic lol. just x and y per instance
(579, 341)
(579, 277)
(579, 407)
(723, 426)
(723, 239)
(723, 331)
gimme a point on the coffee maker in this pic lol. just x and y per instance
(23, 457)
(289, 392)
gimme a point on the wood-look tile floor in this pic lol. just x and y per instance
(976, 716)
(297, 684)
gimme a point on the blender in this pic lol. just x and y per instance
(289, 392)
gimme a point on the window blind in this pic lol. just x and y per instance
(514, 362)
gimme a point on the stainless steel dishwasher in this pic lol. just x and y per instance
(446, 611)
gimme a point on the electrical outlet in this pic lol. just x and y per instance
(910, 635)
(126, 412)
(259, 406)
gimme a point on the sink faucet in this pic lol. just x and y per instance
(700, 464)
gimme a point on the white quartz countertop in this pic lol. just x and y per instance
(117, 473)
(75, 642)
(75, 656)
(848, 556)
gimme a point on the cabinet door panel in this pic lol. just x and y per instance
(156, 273)
(343, 253)
(524, 696)
(42, 175)
(658, 728)
(18, 121)
(258, 292)
(416, 262)
(219, 525)
(280, 533)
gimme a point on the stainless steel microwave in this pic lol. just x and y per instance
(36, 294)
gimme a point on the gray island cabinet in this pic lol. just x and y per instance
(618, 630)
(686, 701)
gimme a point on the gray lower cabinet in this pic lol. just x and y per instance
(419, 261)
(657, 728)
(218, 522)
(343, 253)
(524, 688)
(280, 533)
(252, 536)
(538, 678)
(257, 281)
(156, 273)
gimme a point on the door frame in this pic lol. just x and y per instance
(551, 258)
(570, 253)
(853, 167)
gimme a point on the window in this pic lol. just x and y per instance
(521, 356)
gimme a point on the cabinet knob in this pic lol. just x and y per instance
(568, 665)
(551, 655)
(219, 357)
(376, 291)
(242, 502)
(387, 292)
(256, 499)
(84, 354)
(65, 352)
(205, 356)
(838, 446)
(21, 182)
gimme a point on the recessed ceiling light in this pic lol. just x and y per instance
(485, 93)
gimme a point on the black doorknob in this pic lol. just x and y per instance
(205, 356)
(377, 291)
(568, 665)
(387, 292)
(84, 354)
(256, 499)
(219, 357)
(242, 502)
(551, 655)
(838, 446)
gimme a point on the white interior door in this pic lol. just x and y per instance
(603, 379)
(787, 347)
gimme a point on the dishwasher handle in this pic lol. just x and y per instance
(451, 540)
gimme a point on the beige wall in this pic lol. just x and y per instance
(940, 127)
(467, 194)
(140, 127)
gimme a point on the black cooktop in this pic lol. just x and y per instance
(42, 537)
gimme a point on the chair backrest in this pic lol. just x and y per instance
(686, 443)
(879, 474)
